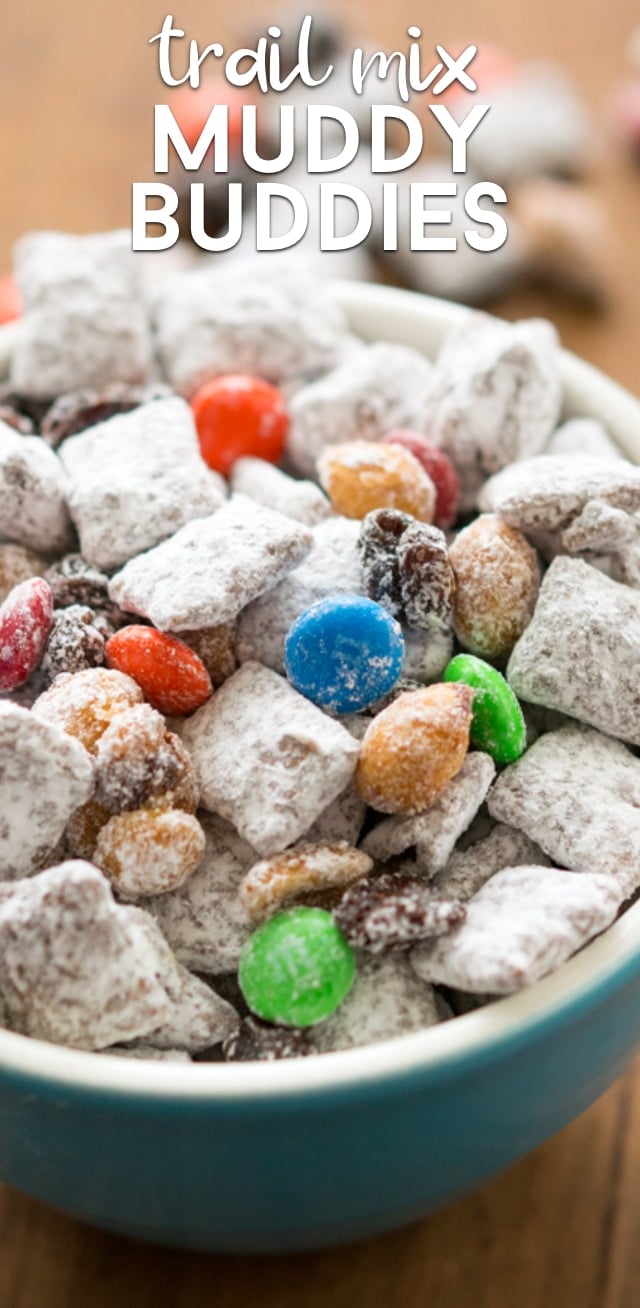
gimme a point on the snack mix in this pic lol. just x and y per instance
(318, 716)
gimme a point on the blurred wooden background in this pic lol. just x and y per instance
(562, 1228)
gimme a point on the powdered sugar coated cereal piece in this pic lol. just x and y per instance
(33, 490)
(44, 777)
(382, 387)
(537, 124)
(73, 968)
(136, 479)
(387, 999)
(495, 397)
(523, 923)
(331, 567)
(18, 564)
(435, 831)
(583, 438)
(223, 562)
(204, 920)
(198, 1017)
(426, 653)
(547, 493)
(468, 869)
(272, 322)
(261, 481)
(577, 793)
(600, 528)
(580, 652)
(266, 758)
(85, 322)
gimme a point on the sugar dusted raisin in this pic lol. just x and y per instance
(361, 475)
(78, 410)
(84, 703)
(17, 564)
(255, 1041)
(392, 910)
(497, 583)
(380, 534)
(139, 764)
(427, 581)
(216, 647)
(414, 747)
(74, 581)
(148, 851)
(74, 643)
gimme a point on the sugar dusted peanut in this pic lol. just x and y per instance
(148, 851)
(298, 871)
(497, 581)
(84, 703)
(414, 748)
(360, 476)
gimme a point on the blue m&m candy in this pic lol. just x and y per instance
(344, 653)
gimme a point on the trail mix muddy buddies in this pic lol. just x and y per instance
(318, 718)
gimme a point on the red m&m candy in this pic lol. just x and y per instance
(238, 416)
(438, 467)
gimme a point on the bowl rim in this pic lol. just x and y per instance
(588, 977)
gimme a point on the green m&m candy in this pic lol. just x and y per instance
(497, 726)
(296, 968)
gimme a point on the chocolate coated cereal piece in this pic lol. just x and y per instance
(223, 562)
(495, 397)
(78, 410)
(271, 322)
(382, 387)
(580, 652)
(387, 999)
(295, 873)
(44, 777)
(547, 493)
(266, 758)
(74, 969)
(204, 920)
(198, 1018)
(33, 490)
(84, 322)
(136, 479)
(577, 793)
(261, 481)
(392, 910)
(523, 923)
(435, 831)
(426, 653)
(331, 567)
(255, 1041)
(468, 869)
(583, 437)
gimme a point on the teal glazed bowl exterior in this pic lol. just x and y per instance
(300, 1154)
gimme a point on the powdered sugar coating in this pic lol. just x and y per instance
(203, 920)
(274, 322)
(198, 1018)
(495, 397)
(331, 567)
(140, 764)
(381, 387)
(537, 125)
(305, 869)
(149, 851)
(44, 777)
(387, 999)
(523, 923)
(547, 493)
(261, 481)
(223, 562)
(577, 793)
(583, 438)
(76, 641)
(435, 831)
(468, 869)
(426, 653)
(85, 322)
(136, 479)
(33, 491)
(266, 758)
(85, 703)
(18, 564)
(74, 969)
(580, 652)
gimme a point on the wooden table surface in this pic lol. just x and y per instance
(562, 1227)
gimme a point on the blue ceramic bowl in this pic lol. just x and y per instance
(328, 1149)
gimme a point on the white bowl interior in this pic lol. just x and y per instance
(375, 313)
